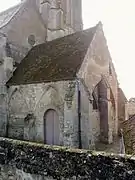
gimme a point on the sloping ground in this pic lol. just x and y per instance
(109, 148)
(61, 163)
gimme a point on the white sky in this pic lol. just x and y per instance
(118, 18)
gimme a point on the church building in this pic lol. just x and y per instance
(58, 85)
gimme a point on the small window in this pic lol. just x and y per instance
(31, 40)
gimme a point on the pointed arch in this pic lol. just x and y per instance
(47, 89)
(17, 102)
(18, 109)
(50, 99)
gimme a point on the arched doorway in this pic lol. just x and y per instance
(51, 127)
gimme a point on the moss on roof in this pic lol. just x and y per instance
(57, 60)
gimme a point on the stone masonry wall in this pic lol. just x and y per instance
(86, 134)
(95, 66)
(28, 161)
(90, 120)
(25, 23)
(36, 99)
(121, 107)
(131, 108)
(96, 63)
(113, 82)
(61, 17)
(103, 106)
(48, 20)
(34, 25)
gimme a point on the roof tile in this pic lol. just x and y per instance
(57, 60)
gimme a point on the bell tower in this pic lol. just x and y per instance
(77, 14)
(60, 17)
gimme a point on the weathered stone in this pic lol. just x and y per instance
(29, 127)
(44, 10)
(55, 20)
(55, 34)
(34, 162)
(26, 21)
(70, 94)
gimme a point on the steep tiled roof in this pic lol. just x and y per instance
(57, 60)
(7, 15)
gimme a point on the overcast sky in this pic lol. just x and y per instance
(118, 18)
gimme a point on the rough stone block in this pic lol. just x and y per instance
(55, 4)
(44, 10)
(55, 20)
(68, 13)
(54, 34)
(63, 5)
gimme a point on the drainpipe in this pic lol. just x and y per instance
(79, 113)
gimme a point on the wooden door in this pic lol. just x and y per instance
(51, 128)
